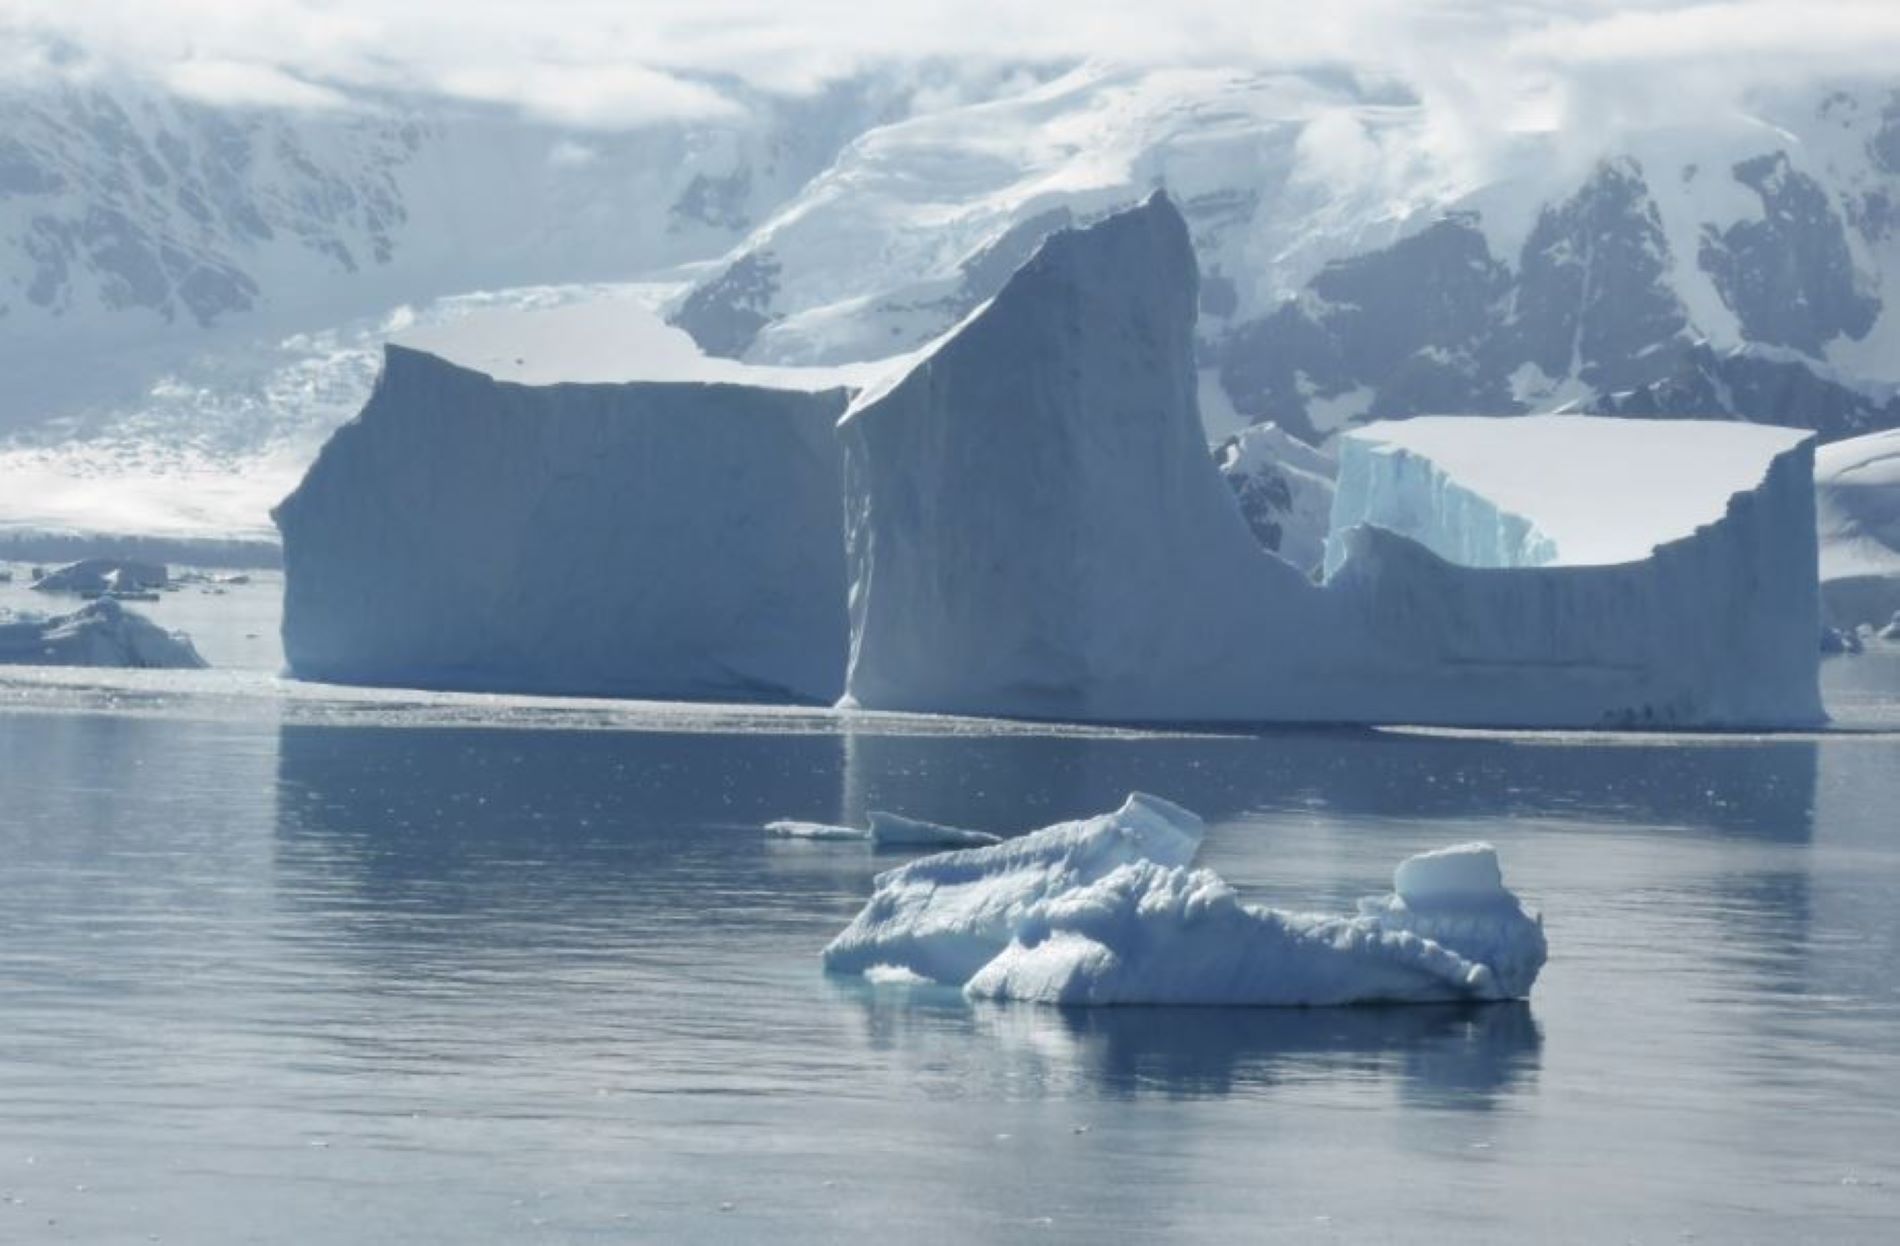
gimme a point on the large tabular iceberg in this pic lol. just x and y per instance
(1109, 911)
(1857, 493)
(1035, 529)
(669, 539)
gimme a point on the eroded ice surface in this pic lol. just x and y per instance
(1110, 911)
(100, 633)
(945, 916)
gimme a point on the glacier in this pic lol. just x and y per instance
(599, 535)
(1065, 409)
(100, 633)
(1108, 910)
(1857, 499)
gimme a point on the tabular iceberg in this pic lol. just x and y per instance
(666, 539)
(1857, 495)
(1035, 530)
(1109, 911)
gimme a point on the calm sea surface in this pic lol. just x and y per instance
(293, 964)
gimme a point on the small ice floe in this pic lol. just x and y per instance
(1110, 911)
(886, 830)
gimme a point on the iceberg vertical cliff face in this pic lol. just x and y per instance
(1034, 524)
(1393, 488)
(652, 539)
(1034, 529)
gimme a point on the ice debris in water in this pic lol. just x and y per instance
(886, 830)
(1110, 911)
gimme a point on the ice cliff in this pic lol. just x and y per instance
(1857, 494)
(664, 539)
(1035, 529)
(1109, 910)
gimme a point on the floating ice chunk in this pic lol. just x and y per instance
(1109, 911)
(788, 828)
(891, 830)
(102, 633)
(944, 916)
(887, 830)
(1464, 872)
(1153, 934)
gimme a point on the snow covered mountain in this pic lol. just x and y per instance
(138, 228)
(1356, 269)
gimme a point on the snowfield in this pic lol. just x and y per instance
(1109, 911)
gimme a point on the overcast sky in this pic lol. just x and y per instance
(617, 64)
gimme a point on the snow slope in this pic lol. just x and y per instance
(1035, 529)
(1285, 490)
(1108, 911)
(1357, 267)
(1857, 499)
(1549, 490)
(663, 539)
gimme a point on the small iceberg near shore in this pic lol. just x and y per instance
(886, 830)
(1110, 910)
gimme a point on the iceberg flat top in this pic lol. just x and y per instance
(604, 341)
(1602, 490)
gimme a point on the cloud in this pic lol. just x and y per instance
(248, 84)
(1485, 65)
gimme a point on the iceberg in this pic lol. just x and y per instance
(1110, 911)
(1857, 501)
(100, 633)
(1036, 530)
(97, 576)
(942, 917)
(599, 536)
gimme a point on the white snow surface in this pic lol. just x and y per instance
(1109, 911)
(1549, 490)
(671, 539)
(612, 339)
(942, 917)
(1035, 529)
(100, 633)
(1857, 501)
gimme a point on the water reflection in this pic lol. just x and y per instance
(1463, 1056)
(1754, 787)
